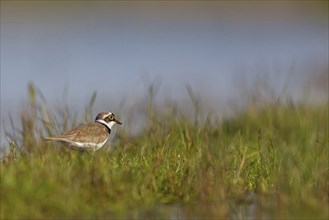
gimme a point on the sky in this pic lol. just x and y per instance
(118, 48)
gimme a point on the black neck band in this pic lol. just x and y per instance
(106, 126)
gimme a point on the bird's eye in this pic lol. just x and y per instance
(111, 117)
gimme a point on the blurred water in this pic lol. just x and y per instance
(250, 206)
(221, 49)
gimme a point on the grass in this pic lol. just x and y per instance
(274, 157)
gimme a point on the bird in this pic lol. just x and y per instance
(88, 137)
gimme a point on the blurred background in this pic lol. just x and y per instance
(225, 51)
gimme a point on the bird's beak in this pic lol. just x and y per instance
(118, 122)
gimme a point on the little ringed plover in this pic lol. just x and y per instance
(90, 136)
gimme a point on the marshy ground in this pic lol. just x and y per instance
(264, 162)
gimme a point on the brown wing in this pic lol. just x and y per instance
(92, 132)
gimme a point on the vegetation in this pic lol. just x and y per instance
(271, 159)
